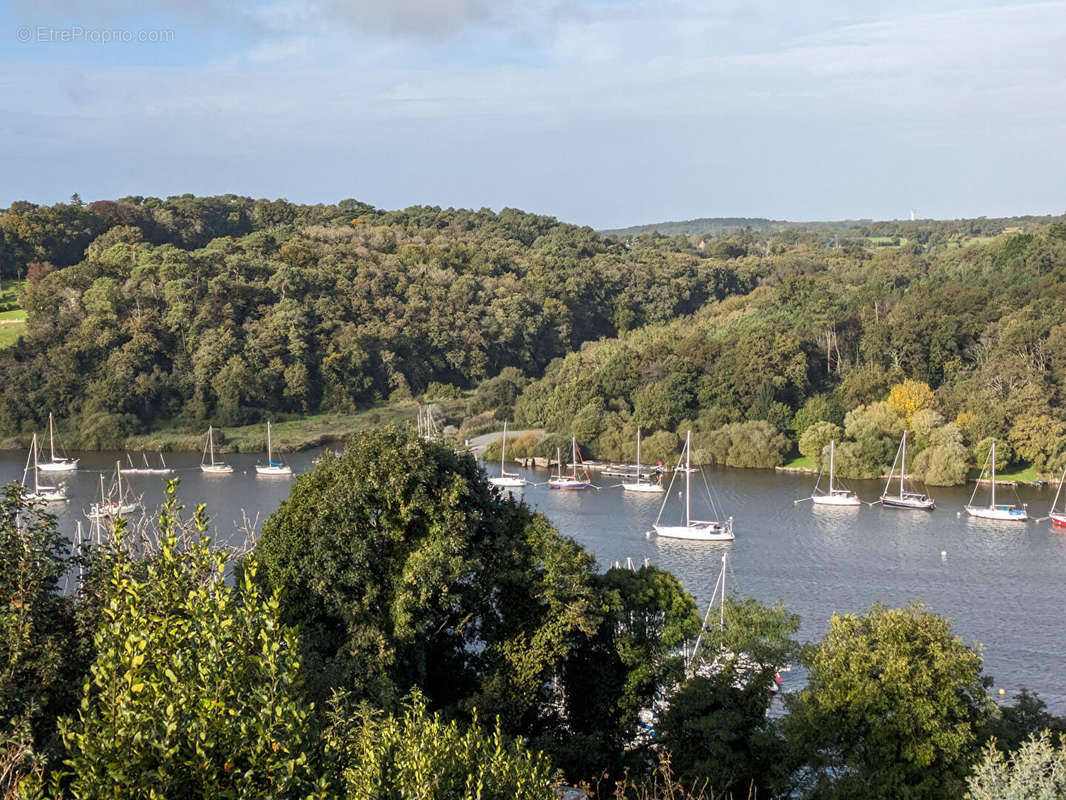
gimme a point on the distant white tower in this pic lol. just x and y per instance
(913, 217)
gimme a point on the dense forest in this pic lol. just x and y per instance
(400, 630)
(228, 310)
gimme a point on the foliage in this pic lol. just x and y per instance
(378, 756)
(716, 728)
(892, 709)
(1035, 771)
(645, 616)
(404, 569)
(717, 732)
(748, 444)
(1026, 716)
(910, 397)
(816, 438)
(38, 648)
(195, 688)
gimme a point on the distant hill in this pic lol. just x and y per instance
(718, 226)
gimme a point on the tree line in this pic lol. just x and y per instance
(227, 310)
(402, 630)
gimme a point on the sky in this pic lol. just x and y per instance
(597, 112)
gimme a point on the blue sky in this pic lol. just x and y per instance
(602, 113)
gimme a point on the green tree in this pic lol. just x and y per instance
(404, 569)
(607, 679)
(718, 734)
(194, 691)
(377, 756)
(1035, 771)
(816, 438)
(38, 648)
(892, 709)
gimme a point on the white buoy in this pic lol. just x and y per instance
(943, 555)
(1002, 692)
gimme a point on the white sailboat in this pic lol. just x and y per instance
(60, 464)
(571, 481)
(40, 491)
(147, 469)
(212, 467)
(1004, 511)
(835, 496)
(905, 498)
(1058, 518)
(115, 503)
(506, 480)
(272, 468)
(702, 530)
(642, 484)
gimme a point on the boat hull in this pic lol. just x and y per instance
(567, 484)
(1001, 513)
(836, 499)
(917, 503)
(216, 469)
(48, 495)
(508, 482)
(69, 465)
(698, 531)
(272, 471)
(643, 488)
(1058, 520)
(112, 510)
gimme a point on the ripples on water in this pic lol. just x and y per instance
(1001, 583)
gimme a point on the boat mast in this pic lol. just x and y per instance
(51, 437)
(688, 473)
(36, 476)
(573, 457)
(1062, 480)
(26, 469)
(211, 444)
(902, 463)
(503, 448)
(831, 443)
(559, 462)
(270, 456)
(993, 504)
(721, 607)
(638, 455)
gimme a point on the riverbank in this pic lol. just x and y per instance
(289, 433)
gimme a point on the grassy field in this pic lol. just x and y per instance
(1020, 473)
(801, 462)
(12, 319)
(289, 433)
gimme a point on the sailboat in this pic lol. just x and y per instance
(507, 480)
(60, 464)
(571, 481)
(703, 530)
(642, 484)
(147, 469)
(212, 467)
(49, 494)
(1008, 511)
(114, 507)
(835, 496)
(904, 498)
(272, 468)
(1058, 518)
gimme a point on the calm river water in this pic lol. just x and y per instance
(1001, 583)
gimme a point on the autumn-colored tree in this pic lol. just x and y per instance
(909, 397)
